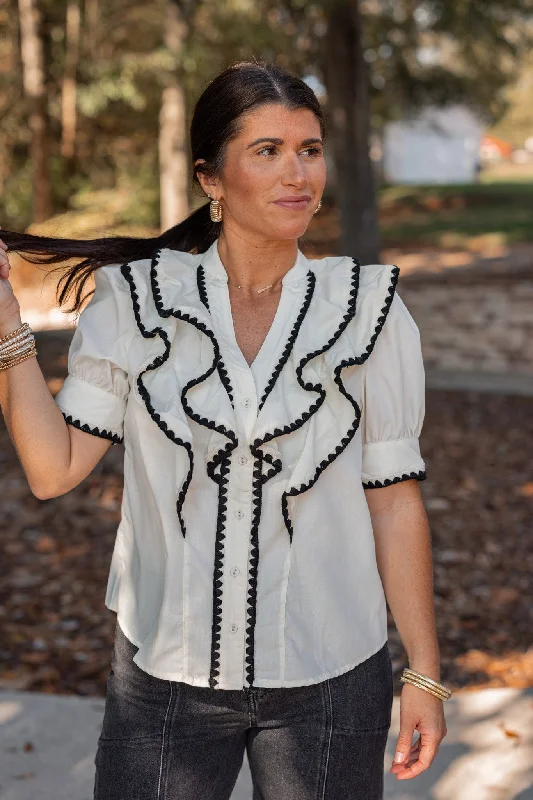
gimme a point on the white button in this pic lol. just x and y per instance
(233, 627)
(239, 513)
(247, 402)
(235, 571)
(242, 459)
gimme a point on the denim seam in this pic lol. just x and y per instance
(330, 714)
(163, 741)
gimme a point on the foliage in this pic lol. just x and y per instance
(419, 52)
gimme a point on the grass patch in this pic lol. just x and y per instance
(437, 215)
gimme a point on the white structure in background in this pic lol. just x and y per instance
(439, 145)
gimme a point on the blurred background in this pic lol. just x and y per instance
(430, 153)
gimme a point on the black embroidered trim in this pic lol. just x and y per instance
(200, 282)
(295, 490)
(126, 272)
(257, 480)
(220, 458)
(220, 536)
(222, 371)
(276, 466)
(311, 281)
(419, 476)
(83, 426)
(311, 387)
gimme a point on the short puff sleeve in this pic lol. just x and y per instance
(393, 402)
(94, 395)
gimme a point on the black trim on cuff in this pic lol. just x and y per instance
(101, 432)
(419, 476)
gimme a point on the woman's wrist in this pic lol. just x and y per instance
(8, 326)
(429, 668)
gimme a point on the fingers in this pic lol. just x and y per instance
(422, 760)
(5, 266)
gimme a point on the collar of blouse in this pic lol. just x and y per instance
(343, 309)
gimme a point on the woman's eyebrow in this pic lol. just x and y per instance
(275, 140)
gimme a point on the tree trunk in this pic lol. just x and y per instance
(347, 83)
(91, 27)
(173, 161)
(32, 55)
(68, 97)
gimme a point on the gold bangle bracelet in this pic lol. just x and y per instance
(25, 326)
(440, 689)
(433, 692)
(14, 362)
(429, 681)
(419, 682)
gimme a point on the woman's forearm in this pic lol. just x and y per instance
(403, 553)
(35, 423)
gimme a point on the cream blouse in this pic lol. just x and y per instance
(245, 553)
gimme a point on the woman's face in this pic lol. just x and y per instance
(273, 176)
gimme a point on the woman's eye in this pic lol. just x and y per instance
(267, 150)
(313, 151)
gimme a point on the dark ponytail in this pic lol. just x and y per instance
(216, 120)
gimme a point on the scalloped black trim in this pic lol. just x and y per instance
(419, 476)
(101, 432)
(312, 387)
(295, 490)
(221, 457)
(257, 481)
(216, 626)
(126, 272)
(275, 464)
(311, 282)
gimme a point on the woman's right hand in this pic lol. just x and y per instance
(9, 305)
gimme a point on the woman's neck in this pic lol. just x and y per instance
(256, 264)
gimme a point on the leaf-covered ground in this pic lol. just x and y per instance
(56, 634)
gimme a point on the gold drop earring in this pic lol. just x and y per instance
(319, 206)
(215, 210)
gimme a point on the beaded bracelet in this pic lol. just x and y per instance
(12, 363)
(17, 346)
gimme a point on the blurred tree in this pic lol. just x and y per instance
(408, 54)
(347, 79)
(34, 82)
(516, 124)
(68, 100)
(173, 152)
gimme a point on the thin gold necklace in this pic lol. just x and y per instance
(258, 291)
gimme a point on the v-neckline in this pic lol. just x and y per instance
(275, 327)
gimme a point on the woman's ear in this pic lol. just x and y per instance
(206, 181)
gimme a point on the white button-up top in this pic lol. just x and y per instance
(245, 553)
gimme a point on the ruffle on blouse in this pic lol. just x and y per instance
(183, 377)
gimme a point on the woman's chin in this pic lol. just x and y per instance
(293, 231)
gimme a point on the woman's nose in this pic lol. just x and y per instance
(294, 172)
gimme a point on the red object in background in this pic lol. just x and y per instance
(491, 144)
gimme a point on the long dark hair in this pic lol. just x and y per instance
(216, 120)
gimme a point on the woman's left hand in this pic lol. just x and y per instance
(421, 711)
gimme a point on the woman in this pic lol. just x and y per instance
(270, 407)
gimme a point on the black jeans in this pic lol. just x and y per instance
(168, 740)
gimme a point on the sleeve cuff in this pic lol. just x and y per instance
(388, 462)
(92, 409)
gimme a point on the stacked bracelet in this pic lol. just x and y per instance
(17, 346)
(428, 684)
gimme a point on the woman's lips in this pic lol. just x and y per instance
(294, 203)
